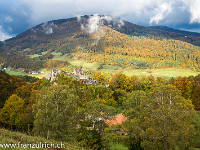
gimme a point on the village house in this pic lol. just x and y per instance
(54, 72)
(78, 74)
(34, 72)
(118, 119)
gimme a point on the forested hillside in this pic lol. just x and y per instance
(116, 48)
(114, 42)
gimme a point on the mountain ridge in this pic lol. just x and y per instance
(169, 29)
(128, 28)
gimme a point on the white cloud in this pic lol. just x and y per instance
(8, 19)
(143, 12)
(78, 17)
(137, 10)
(121, 23)
(24, 13)
(194, 9)
(3, 36)
(161, 12)
(45, 10)
(48, 28)
(95, 22)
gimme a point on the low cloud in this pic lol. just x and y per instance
(161, 12)
(8, 19)
(140, 11)
(143, 12)
(95, 22)
(193, 8)
(48, 27)
(3, 36)
(93, 25)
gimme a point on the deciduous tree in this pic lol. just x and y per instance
(162, 119)
(55, 112)
(12, 111)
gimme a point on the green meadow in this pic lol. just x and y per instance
(163, 73)
(14, 72)
(41, 75)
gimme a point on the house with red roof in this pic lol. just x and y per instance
(118, 119)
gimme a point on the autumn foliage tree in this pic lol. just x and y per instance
(161, 119)
(8, 85)
(196, 97)
(55, 112)
(99, 77)
(12, 112)
(189, 88)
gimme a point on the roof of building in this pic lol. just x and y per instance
(119, 119)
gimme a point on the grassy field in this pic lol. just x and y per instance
(10, 137)
(74, 62)
(19, 72)
(26, 50)
(33, 56)
(41, 75)
(164, 73)
(36, 55)
(108, 69)
(58, 56)
(13, 72)
(86, 65)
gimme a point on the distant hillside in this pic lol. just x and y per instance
(1, 43)
(168, 29)
(115, 48)
(138, 45)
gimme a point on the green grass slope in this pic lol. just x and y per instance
(13, 139)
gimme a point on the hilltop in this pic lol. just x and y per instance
(62, 28)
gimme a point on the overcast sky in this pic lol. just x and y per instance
(16, 16)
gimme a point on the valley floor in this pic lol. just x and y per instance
(109, 70)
